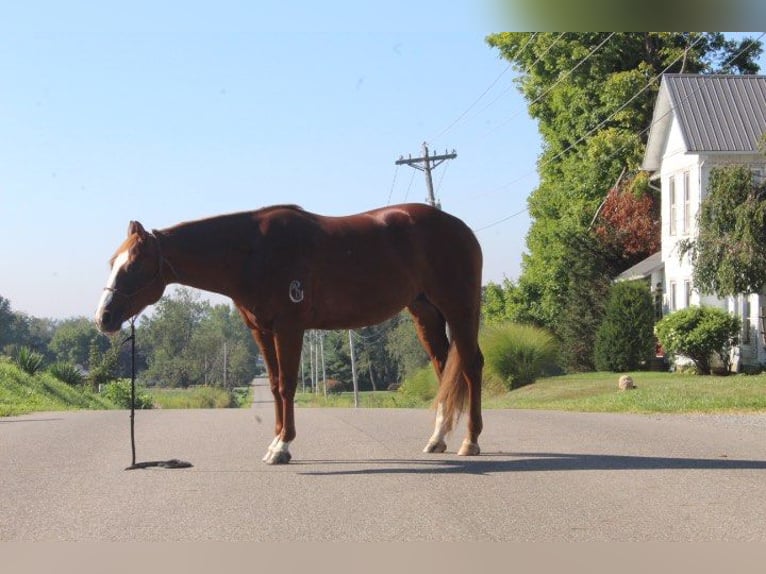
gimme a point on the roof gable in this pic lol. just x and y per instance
(716, 113)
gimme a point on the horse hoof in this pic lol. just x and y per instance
(469, 449)
(279, 457)
(435, 447)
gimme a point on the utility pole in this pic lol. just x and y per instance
(353, 369)
(429, 163)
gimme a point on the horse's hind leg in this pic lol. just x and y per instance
(472, 362)
(461, 380)
(432, 332)
(472, 372)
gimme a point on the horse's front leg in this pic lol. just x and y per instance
(288, 351)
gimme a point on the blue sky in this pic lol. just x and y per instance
(165, 112)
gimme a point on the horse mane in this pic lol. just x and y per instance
(134, 238)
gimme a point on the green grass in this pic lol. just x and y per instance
(367, 399)
(595, 392)
(654, 393)
(22, 393)
(588, 392)
(200, 398)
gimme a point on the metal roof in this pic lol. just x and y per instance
(716, 113)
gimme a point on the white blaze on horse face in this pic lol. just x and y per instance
(106, 296)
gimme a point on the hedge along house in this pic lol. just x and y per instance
(701, 122)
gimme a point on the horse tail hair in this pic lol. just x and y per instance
(453, 389)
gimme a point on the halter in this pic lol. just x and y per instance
(161, 263)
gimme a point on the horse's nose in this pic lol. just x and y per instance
(103, 320)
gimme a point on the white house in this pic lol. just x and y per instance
(700, 122)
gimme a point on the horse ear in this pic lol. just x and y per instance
(136, 227)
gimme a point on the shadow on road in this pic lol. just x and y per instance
(528, 462)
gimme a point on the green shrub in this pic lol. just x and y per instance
(200, 397)
(699, 333)
(28, 360)
(421, 386)
(518, 354)
(67, 373)
(23, 393)
(625, 339)
(118, 392)
(207, 397)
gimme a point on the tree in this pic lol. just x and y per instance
(625, 339)
(593, 107)
(699, 333)
(628, 223)
(227, 350)
(729, 252)
(167, 336)
(405, 348)
(103, 363)
(188, 341)
(493, 304)
(75, 340)
(583, 307)
(20, 330)
(7, 324)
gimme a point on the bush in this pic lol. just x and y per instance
(67, 373)
(199, 397)
(699, 333)
(118, 392)
(518, 354)
(334, 386)
(422, 385)
(28, 360)
(625, 339)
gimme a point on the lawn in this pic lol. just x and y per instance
(597, 392)
(654, 393)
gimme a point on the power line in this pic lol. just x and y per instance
(591, 131)
(560, 79)
(409, 187)
(393, 183)
(526, 70)
(484, 93)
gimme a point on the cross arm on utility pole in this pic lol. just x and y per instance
(429, 162)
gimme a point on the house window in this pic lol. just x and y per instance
(687, 293)
(672, 296)
(745, 320)
(672, 202)
(687, 204)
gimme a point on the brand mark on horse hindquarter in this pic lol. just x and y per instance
(296, 291)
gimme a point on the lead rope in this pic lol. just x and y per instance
(132, 340)
(172, 463)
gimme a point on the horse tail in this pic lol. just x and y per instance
(452, 397)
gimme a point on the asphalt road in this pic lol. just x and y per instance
(359, 475)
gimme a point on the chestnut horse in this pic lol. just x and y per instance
(288, 270)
